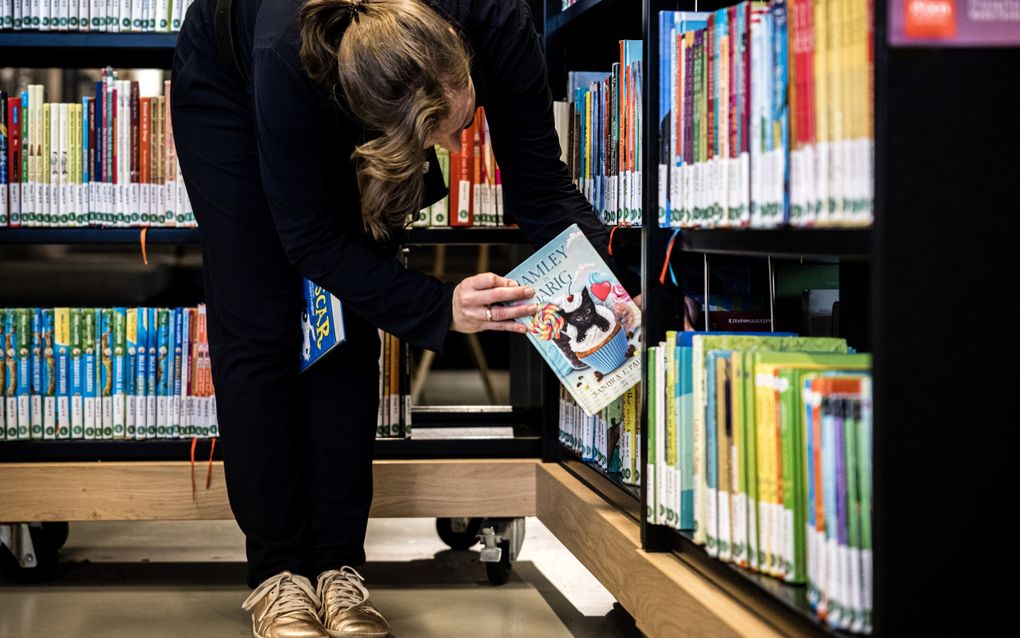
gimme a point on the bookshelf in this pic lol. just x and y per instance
(898, 283)
(44, 49)
(916, 285)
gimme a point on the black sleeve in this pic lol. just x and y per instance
(298, 179)
(537, 188)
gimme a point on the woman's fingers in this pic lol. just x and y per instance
(502, 295)
(500, 313)
(505, 326)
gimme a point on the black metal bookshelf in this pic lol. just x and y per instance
(100, 236)
(46, 49)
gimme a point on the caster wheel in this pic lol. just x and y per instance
(56, 534)
(47, 539)
(499, 573)
(458, 533)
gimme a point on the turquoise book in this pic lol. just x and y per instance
(587, 328)
(322, 324)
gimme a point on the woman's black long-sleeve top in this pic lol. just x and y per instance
(305, 139)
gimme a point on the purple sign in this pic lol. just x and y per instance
(954, 23)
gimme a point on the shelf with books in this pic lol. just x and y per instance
(45, 49)
(107, 236)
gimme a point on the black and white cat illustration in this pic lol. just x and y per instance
(584, 316)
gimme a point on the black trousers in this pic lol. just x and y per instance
(297, 448)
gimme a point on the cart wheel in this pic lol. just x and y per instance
(458, 533)
(499, 573)
(56, 534)
(46, 542)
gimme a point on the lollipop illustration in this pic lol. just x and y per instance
(547, 325)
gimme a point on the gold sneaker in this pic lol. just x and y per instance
(285, 606)
(346, 612)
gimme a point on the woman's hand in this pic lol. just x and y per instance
(474, 308)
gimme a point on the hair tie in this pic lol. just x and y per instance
(354, 8)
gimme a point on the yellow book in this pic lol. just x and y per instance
(672, 496)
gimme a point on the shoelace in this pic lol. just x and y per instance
(345, 583)
(289, 596)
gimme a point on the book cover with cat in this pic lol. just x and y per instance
(587, 327)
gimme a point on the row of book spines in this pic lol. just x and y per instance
(394, 416)
(108, 161)
(106, 373)
(605, 139)
(114, 16)
(609, 439)
(472, 179)
(731, 468)
(731, 153)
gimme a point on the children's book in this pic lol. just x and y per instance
(322, 324)
(587, 328)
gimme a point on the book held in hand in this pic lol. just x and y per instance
(322, 324)
(587, 328)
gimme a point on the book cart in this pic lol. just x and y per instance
(909, 286)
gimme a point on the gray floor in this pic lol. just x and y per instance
(186, 579)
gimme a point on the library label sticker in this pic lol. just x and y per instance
(962, 23)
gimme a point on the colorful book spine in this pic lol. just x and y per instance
(48, 373)
(76, 388)
(119, 389)
(24, 371)
(10, 375)
(140, 370)
(35, 403)
(130, 367)
(91, 411)
(177, 339)
(62, 344)
(106, 375)
(163, 359)
(151, 374)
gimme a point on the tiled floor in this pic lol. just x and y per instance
(154, 579)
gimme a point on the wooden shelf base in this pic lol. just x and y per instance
(665, 596)
(131, 491)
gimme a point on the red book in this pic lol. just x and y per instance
(144, 142)
(462, 214)
(14, 158)
(134, 132)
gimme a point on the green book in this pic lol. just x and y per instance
(783, 534)
(702, 344)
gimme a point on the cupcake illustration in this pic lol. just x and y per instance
(595, 336)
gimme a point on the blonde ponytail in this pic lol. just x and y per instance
(397, 63)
